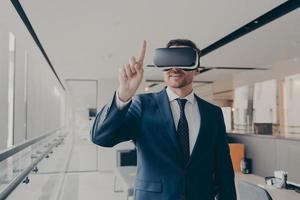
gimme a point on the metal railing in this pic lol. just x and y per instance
(15, 149)
(36, 156)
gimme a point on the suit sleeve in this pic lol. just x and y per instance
(113, 125)
(224, 173)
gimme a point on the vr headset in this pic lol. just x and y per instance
(185, 58)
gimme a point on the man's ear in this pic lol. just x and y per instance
(197, 71)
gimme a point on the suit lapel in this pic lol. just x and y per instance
(200, 141)
(163, 103)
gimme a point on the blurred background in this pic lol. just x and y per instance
(59, 62)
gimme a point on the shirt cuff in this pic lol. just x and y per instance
(121, 104)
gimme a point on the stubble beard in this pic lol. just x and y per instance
(179, 84)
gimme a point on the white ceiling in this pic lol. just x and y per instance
(92, 38)
(272, 43)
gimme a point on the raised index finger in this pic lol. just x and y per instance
(142, 52)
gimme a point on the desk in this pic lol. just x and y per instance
(127, 176)
(276, 194)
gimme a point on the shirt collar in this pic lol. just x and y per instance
(172, 96)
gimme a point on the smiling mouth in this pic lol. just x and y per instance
(175, 76)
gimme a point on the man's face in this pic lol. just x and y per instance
(178, 78)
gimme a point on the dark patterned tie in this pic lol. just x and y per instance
(183, 131)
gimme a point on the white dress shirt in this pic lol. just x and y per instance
(191, 110)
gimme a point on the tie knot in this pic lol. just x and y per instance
(181, 103)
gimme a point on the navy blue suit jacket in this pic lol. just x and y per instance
(161, 174)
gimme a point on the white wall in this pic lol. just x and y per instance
(45, 99)
(277, 71)
(3, 88)
(107, 156)
(205, 92)
(227, 118)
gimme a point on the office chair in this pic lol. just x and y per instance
(249, 191)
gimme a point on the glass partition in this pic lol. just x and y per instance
(292, 99)
(270, 107)
(14, 165)
(265, 103)
(242, 109)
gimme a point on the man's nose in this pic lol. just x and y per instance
(175, 69)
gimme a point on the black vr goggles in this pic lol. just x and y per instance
(185, 58)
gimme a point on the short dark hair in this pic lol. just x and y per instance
(185, 42)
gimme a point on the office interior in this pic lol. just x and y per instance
(59, 63)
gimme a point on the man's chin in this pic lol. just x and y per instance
(176, 85)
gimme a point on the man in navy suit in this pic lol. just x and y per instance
(182, 149)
